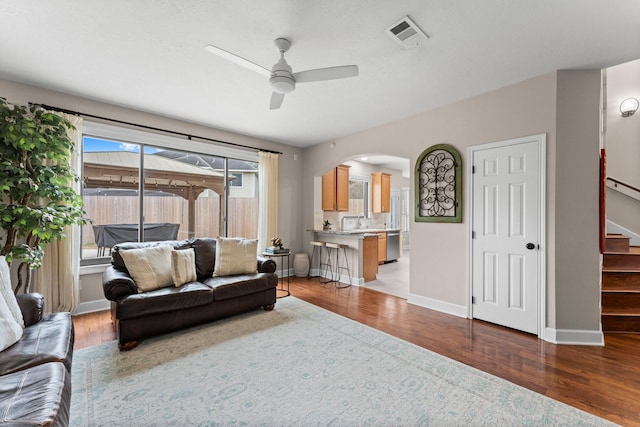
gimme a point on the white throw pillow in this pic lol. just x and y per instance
(10, 330)
(183, 266)
(149, 267)
(235, 256)
(7, 293)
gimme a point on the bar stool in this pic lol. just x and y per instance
(317, 248)
(338, 268)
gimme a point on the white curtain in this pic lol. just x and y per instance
(58, 278)
(268, 204)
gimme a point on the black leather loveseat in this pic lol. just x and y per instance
(137, 315)
(35, 372)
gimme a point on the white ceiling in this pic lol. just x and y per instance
(148, 55)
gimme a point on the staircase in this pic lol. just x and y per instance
(620, 286)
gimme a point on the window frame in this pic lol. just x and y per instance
(154, 139)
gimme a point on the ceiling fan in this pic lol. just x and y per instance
(281, 77)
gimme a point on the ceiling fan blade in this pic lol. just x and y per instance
(237, 60)
(276, 100)
(329, 73)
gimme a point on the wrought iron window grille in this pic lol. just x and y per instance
(439, 185)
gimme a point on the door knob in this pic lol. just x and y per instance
(530, 246)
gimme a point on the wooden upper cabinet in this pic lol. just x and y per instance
(335, 189)
(380, 192)
(329, 191)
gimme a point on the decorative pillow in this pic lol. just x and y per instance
(235, 256)
(7, 293)
(183, 266)
(149, 267)
(10, 330)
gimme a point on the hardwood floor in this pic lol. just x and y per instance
(604, 381)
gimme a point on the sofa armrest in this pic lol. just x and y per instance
(266, 265)
(32, 307)
(117, 284)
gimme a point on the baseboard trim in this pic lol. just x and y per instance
(437, 305)
(92, 306)
(574, 337)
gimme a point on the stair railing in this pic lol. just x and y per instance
(624, 188)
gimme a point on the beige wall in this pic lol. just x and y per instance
(562, 105)
(577, 183)
(623, 143)
(439, 251)
(290, 170)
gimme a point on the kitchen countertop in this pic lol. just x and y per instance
(358, 231)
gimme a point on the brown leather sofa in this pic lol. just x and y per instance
(141, 315)
(35, 372)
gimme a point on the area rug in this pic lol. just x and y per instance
(297, 365)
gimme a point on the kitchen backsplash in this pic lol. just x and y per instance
(377, 220)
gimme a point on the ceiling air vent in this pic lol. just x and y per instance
(406, 33)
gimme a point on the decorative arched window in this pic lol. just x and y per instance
(439, 185)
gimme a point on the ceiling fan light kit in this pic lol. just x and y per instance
(281, 77)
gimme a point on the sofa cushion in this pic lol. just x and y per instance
(37, 396)
(183, 266)
(149, 267)
(226, 287)
(49, 340)
(163, 300)
(205, 249)
(7, 292)
(118, 262)
(235, 256)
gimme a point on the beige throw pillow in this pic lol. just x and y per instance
(7, 293)
(235, 256)
(183, 266)
(149, 267)
(10, 330)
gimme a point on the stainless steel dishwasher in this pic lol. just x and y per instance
(393, 246)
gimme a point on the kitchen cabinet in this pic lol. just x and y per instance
(370, 258)
(335, 189)
(382, 248)
(380, 192)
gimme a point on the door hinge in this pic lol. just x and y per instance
(473, 234)
(473, 300)
(473, 169)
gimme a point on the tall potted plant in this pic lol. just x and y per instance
(36, 198)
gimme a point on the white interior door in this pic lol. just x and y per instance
(506, 233)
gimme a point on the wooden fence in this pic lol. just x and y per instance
(243, 214)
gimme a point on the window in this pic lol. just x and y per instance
(136, 188)
(358, 196)
(237, 180)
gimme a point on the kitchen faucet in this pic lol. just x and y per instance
(351, 217)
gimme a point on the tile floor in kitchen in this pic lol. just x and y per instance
(393, 278)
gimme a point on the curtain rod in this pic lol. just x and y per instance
(122, 122)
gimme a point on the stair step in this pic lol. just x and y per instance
(621, 303)
(624, 260)
(616, 243)
(620, 286)
(620, 279)
(627, 324)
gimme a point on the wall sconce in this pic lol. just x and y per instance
(628, 107)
